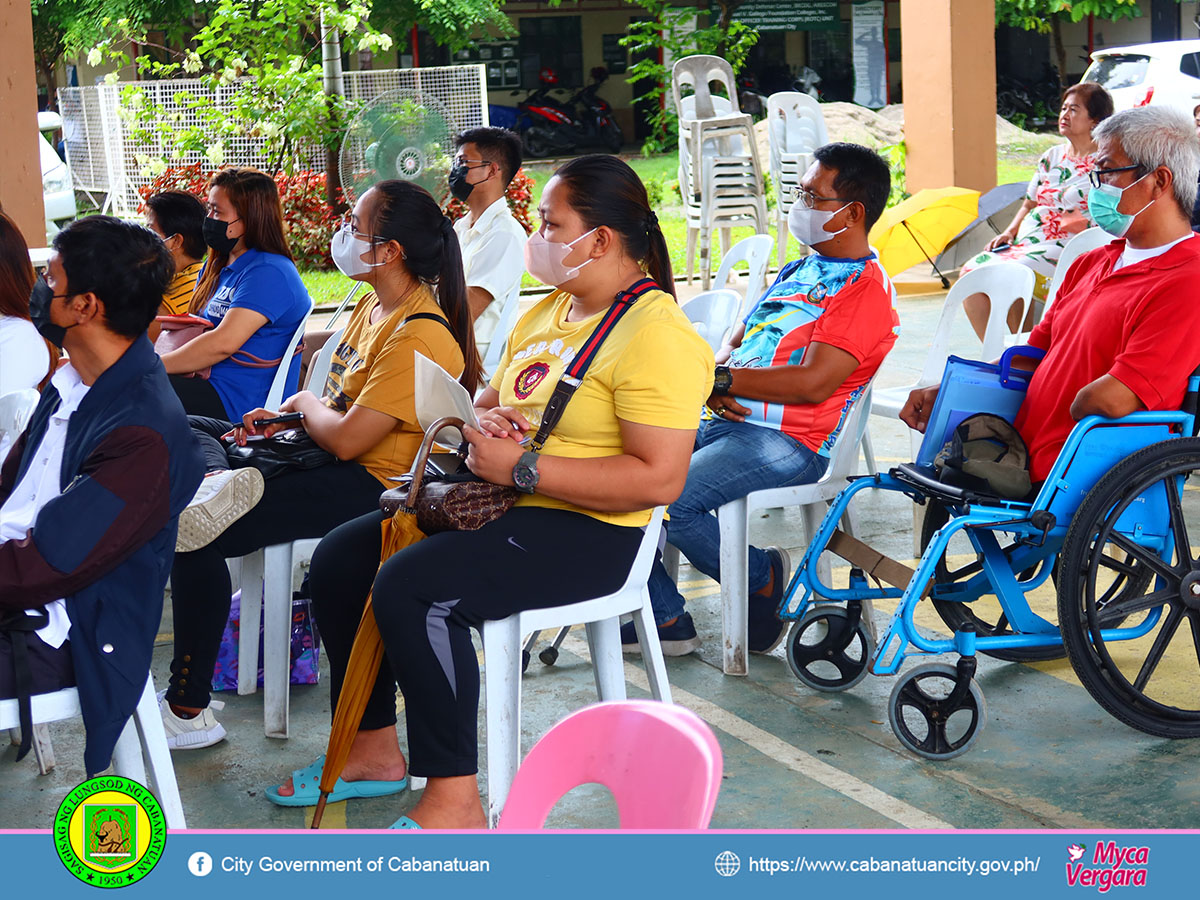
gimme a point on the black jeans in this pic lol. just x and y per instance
(428, 596)
(199, 398)
(295, 505)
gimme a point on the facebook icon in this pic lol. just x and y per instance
(200, 864)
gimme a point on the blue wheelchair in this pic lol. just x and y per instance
(1109, 527)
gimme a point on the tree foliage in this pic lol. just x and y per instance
(1047, 16)
(672, 30)
(259, 62)
(66, 27)
(262, 58)
(1037, 15)
(450, 23)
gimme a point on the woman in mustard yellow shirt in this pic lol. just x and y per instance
(399, 242)
(621, 448)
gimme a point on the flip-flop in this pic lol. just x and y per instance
(306, 787)
(406, 824)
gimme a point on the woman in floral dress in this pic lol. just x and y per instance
(1055, 207)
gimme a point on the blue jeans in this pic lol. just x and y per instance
(731, 460)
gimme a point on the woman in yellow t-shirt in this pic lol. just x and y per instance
(399, 242)
(621, 448)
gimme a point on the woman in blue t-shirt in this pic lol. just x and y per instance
(251, 292)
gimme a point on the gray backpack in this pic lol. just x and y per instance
(986, 455)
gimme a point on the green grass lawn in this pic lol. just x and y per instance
(1014, 163)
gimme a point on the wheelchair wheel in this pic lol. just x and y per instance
(985, 614)
(826, 651)
(925, 720)
(1151, 682)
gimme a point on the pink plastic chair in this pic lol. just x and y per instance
(660, 761)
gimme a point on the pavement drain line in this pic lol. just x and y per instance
(786, 754)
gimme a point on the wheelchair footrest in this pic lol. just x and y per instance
(880, 567)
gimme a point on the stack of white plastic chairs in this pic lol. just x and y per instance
(720, 177)
(796, 128)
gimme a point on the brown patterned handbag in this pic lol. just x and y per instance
(457, 501)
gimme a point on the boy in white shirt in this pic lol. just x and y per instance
(492, 241)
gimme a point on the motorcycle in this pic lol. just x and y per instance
(551, 127)
(546, 125)
(594, 115)
(750, 100)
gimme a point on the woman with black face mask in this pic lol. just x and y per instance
(251, 292)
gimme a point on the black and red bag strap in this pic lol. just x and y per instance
(571, 378)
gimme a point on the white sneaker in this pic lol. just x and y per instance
(191, 734)
(222, 499)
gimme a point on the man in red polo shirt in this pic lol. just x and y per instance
(1124, 331)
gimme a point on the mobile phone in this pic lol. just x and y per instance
(283, 417)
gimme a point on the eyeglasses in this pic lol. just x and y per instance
(807, 198)
(470, 163)
(1100, 176)
(348, 225)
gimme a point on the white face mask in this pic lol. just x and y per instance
(544, 259)
(347, 251)
(806, 225)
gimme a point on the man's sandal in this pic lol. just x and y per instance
(306, 788)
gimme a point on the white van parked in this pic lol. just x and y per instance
(1166, 73)
(58, 193)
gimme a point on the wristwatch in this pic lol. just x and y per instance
(525, 473)
(722, 380)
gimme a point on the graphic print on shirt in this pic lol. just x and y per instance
(529, 378)
(346, 360)
(780, 328)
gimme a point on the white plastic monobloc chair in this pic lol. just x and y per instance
(755, 251)
(508, 318)
(1086, 240)
(713, 313)
(502, 659)
(15, 409)
(266, 585)
(734, 523)
(141, 750)
(275, 396)
(796, 128)
(1004, 283)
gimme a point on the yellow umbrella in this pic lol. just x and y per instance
(361, 669)
(921, 227)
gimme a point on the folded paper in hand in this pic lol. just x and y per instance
(439, 394)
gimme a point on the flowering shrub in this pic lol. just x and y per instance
(307, 219)
(519, 196)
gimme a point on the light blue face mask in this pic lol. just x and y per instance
(1102, 204)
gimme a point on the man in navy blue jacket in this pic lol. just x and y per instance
(91, 492)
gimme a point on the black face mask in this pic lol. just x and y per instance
(215, 236)
(40, 299)
(459, 186)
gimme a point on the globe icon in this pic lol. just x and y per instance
(727, 863)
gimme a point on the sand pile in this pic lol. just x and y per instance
(860, 125)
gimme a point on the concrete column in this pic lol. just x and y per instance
(21, 172)
(949, 66)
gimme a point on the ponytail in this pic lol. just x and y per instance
(407, 214)
(452, 298)
(605, 191)
(658, 257)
